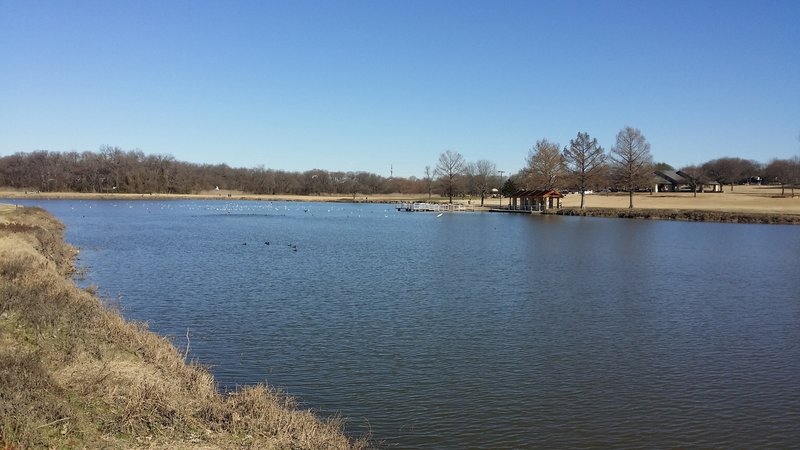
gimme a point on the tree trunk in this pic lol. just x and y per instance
(582, 194)
(630, 198)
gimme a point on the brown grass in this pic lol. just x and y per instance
(685, 215)
(751, 199)
(74, 374)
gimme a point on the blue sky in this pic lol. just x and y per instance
(369, 85)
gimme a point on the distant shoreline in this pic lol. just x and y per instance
(745, 204)
(227, 196)
(682, 215)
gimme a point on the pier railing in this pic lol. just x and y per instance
(431, 207)
(529, 209)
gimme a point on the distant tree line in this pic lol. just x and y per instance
(581, 166)
(114, 170)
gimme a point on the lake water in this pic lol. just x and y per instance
(471, 330)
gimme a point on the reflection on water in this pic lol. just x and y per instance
(472, 330)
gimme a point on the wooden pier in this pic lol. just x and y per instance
(433, 207)
(517, 211)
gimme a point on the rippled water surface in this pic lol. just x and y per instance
(471, 330)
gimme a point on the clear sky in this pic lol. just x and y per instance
(367, 85)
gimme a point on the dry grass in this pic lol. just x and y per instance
(679, 214)
(751, 199)
(74, 374)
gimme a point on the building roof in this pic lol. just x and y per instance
(672, 177)
(697, 179)
(547, 193)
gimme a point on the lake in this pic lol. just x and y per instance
(474, 330)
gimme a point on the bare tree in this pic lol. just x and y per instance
(450, 167)
(482, 173)
(730, 170)
(662, 166)
(583, 160)
(794, 171)
(114, 170)
(545, 165)
(631, 161)
(695, 176)
(429, 180)
(779, 171)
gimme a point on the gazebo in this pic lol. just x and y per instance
(536, 200)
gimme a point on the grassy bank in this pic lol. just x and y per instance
(75, 374)
(677, 214)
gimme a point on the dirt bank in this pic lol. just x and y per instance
(75, 374)
(676, 214)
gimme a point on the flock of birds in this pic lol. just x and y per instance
(292, 246)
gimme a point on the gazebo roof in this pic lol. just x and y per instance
(544, 193)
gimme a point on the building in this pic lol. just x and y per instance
(537, 200)
(679, 181)
(672, 181)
